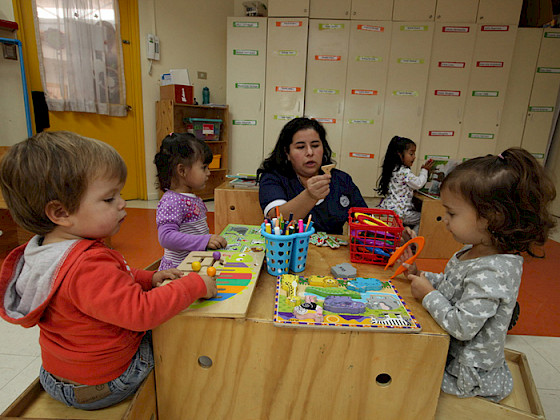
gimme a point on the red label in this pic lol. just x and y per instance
(287, 89)
(328, 57)
(371, 28)
(289, 23)
(362, 155)
(441, 133)
(364, 92)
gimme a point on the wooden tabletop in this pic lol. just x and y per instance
(319, 262)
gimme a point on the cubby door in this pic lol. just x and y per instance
(520, 84)
(288, 8)
(368, 60)
(285, 75)
(464, 11)
(487, 87)
(372, 10)
(329, 9)
(499, 11)
(414, 10)
(451, 58)
(246, 59)
(407, 79)
(544, 96)
(327, 59)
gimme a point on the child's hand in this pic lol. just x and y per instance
(410, 268)
(211, 288)
(160, 276)
(216, 242)
(420, 286)
(428, 164)
(318, 186)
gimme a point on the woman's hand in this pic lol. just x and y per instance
(160, 276)
(420, 286)
(318, 186)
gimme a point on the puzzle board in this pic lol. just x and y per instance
(243, 238)
(236, 278)
(326, 302)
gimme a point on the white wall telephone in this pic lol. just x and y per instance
(153, 47)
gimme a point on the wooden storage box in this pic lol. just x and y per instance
(35, 403)
(522, 403)
(179, 94)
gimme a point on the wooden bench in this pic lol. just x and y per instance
(522, 404)
(35, 403)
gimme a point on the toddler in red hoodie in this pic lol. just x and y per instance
(92, 309)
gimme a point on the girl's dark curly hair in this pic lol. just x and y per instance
(278, 161)
(392, 161)
(512, 191)
(179, 148)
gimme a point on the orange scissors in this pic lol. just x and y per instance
(398, 252)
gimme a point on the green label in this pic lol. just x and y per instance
(486, 136)
(244, 122)
(486, 93)
(245, 52)
(405, 93)
(245, 24)
(360, 121)
(555, 70)
(552, 35)
(248, 85)
(285, 117)
(327, 91)
(410, 60)
(538, 155)
(541, 108)
(414, 28)
(436, 157)
(369, 58)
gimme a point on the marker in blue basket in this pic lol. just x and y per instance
(277, 230)
(268, 228)
(308, 223)
(300, 226)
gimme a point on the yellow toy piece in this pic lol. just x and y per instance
(293, 302)
(196, 266)
(287, 280)
(322, 281)
(369, 220)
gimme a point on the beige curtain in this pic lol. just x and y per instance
(80, 55)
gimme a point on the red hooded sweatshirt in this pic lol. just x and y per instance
(91, 307)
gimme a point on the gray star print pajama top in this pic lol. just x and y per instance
(473, 302)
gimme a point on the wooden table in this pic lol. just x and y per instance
(262, 371)
(439, 241)
(236, 205)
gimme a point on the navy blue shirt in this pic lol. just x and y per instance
(328, 216)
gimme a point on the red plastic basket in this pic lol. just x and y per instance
(374, 234)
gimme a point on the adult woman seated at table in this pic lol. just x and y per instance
(291, 179)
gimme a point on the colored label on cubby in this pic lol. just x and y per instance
(486, 93)
(361, 155)
(244, 122)
(452, 64)
(368, 58)
(245, 24)
(327, 91)
(437, 133)
(541, 109)
(245, 52)
(364, 92)
(485, 136)
(248, 85)
(447, 93)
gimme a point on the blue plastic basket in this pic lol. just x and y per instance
(286, 252)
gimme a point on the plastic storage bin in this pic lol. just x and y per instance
(286, 252)
(204, 128)
(374, 234)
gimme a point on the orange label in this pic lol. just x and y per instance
(362, 155)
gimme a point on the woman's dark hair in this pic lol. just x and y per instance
(179, 148)
(278, 161)
(512, 192)
(393, 160)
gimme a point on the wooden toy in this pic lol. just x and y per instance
(398, 252)
(237, 273)
(322, 281)
(196, 266)
(377, 306)
(328, 168)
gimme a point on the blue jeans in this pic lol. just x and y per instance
(120, 388)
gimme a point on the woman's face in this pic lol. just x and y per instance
(306, 153)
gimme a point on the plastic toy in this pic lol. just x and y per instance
(196, 266)
(419, 240)
(363, 285)
(309, 310)
(344, 304)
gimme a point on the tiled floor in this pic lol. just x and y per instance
(20, 356)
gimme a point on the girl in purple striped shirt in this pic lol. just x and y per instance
(182, 168)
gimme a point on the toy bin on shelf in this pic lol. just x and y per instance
(286, 252)
(204, 128)
(374, 234)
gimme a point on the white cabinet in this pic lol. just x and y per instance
(327, 58)
(499, 11)
(288, 8)
(351, 9)
(487, 87)
(520, 84)
(456, 11)
(407, 78)
(246, 58)
(285, 75)
(544, 95)
(448, 81)
(368, 60)
(414, 10)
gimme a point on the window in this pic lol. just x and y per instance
(80, 55)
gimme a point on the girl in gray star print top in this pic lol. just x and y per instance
(497, 207)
